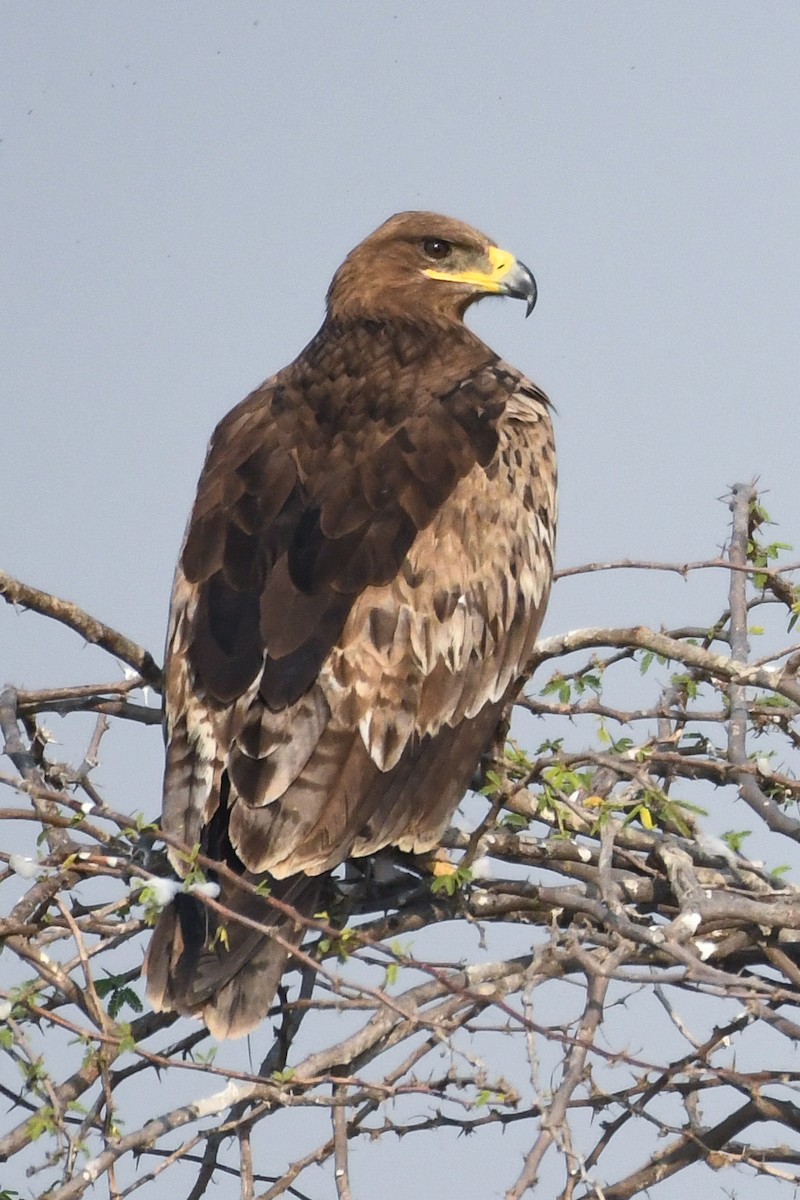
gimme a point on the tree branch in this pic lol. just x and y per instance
(90, 629)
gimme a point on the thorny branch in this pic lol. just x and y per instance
(92, 630)
(617, 846)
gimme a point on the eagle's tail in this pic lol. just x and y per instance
(224, 971)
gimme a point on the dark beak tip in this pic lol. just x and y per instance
(529, 292)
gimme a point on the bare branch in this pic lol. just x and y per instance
(92, 630)
(591, 843)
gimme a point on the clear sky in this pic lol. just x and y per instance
(179, 180)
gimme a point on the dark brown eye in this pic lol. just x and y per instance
(436, 248)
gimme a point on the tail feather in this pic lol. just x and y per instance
(227, 976)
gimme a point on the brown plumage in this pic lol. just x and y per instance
(363, 576)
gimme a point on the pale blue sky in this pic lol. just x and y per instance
(180, 180)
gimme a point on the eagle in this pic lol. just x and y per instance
(362, 579)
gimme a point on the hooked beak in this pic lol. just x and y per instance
(520, 284)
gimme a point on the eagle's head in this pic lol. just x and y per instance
(422, 266)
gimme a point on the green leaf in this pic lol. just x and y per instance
(551, 747)
(120, 991)
(451, 883)
(41, 1122)
(340, 945)
(120, 998)
(515, 821)
(127, 1042)
(285, 1076)
(734, 838)
(493, 785)
(686, 683)
(220, 938)
(205, 1057)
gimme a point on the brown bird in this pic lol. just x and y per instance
(364, 573)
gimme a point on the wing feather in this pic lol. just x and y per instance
(333, 622)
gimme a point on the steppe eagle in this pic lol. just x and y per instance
(364, 573)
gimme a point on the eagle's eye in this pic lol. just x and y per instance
(436, 248)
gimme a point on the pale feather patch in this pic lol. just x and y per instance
(484, 640)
